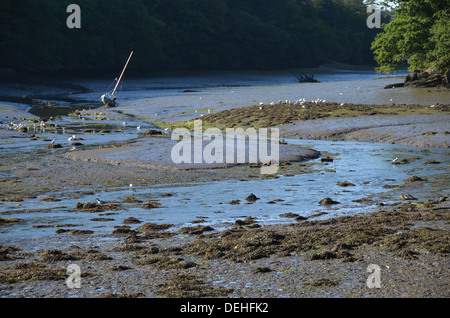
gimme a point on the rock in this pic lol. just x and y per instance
(261, 270)
(407, 197)
(54, 146)
(327, 159)
(154, 227)
(153, 132)
(431, 162)
(327, 201)
(420, 78)
(247, 221)
(131, 220)
(394, 85)
(151, 205)
(199, 229)
(251, 197)
(345, 184)
(289, 215)
(415, 178)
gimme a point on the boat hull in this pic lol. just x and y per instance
(109, 100)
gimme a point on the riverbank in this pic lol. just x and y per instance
(306, 257)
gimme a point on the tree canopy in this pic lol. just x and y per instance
(419, 36)
(177, 35)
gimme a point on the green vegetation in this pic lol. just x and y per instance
(174, 35)
(419, 36)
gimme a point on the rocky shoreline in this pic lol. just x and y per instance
(408, 241)
(422, 78)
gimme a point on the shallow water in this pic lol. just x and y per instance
(242, 89)
(183, 97)
(367, 165)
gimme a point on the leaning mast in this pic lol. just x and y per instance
(123, 71)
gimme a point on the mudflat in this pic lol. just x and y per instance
(405, 243)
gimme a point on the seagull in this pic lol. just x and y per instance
(131, 185)
(138, 127)
(98, 201)
(72, 138)
(395, 160)
(52, 142)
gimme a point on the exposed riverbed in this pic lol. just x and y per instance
(44, 189)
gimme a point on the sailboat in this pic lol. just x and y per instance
(109, 99)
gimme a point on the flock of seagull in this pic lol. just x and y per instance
(42, 125)
(301, 102)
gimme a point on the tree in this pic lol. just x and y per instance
(190, 35)
(418, 36)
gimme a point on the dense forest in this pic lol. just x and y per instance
(173, 35)
(419, 36)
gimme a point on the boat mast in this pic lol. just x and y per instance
(123, 71)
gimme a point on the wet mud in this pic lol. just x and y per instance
(305, 257)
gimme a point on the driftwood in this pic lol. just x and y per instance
(305, 78)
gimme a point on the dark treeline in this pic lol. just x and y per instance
(173, 35)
